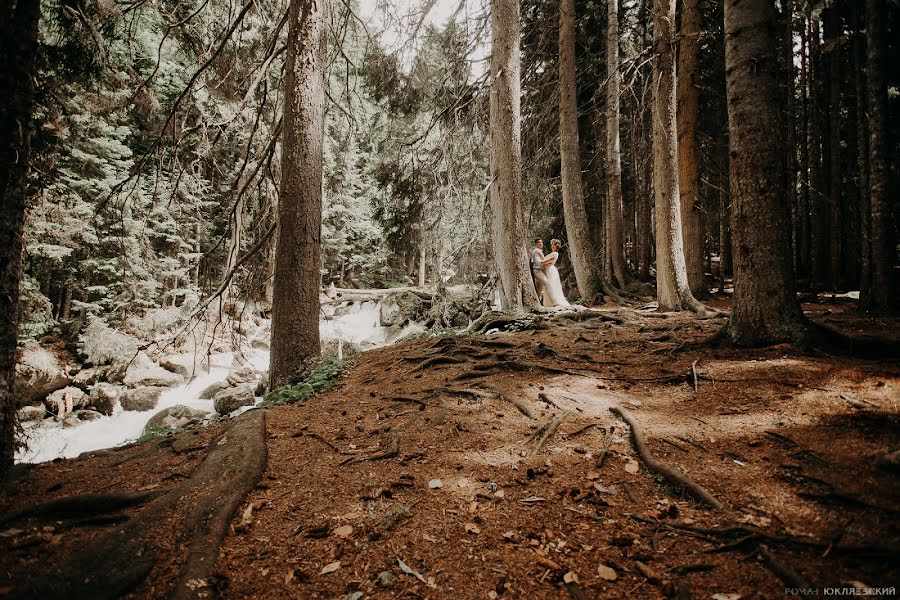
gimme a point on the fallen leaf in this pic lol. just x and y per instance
(357, 595)
(264, 572)
(473, 508)
(499, 494)
(605, 490)
(409, 571)
(606, 572)
(343, 531)
(289, 576)
(721, 596)
(492, 595)
(429, 538)
(435, 484)
(570, 577)
(330, 568)
(464, 483)
(248, 515)
(592, 475)
(631, 466)
(149, 487)
(472, 528)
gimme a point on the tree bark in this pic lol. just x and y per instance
(587, 271)
(672, 288)
(616, 223)
(803, 246)
(834, 144)
(507, 216)
(862, 137)
(18, 45)
(688, 174)
(883, 295)
(295, 302)
(765, 308)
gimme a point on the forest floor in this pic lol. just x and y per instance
(467, 467)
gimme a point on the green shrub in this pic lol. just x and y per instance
(317, 376)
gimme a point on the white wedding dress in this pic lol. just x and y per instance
(553, 295)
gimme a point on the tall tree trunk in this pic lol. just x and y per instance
(819, 214)
(834, 144)
(883, 295)
(587, 271)
(295, 303)
(616, 224)
(787, 48)
(765, 307)
(507, 215)
(803, 246)
(18, 44)
(862, 137)
(688, 173)
(672, 288)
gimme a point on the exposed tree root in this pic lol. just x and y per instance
(520, 406)
(437, 361)
(891, 552)
(390, 447)
(637, 436)
(790, 577)
(545, 432)
(118, 561)
(86, 505)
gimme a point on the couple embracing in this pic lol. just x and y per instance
(546, 276)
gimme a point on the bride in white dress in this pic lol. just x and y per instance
(553, 295)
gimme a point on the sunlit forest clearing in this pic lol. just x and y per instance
(449, 299)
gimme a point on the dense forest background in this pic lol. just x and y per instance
(156, 163)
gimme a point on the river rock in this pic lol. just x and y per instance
(88, 415)
(140, 399)
(174, 417)
(103, 398)
(399, 308)
(85, 378)
(143, 372)
(241, 376)
(233, 398)
(212, 389)
(174, 367)
(261, 343)
(38, 373)
(79, 399)
(31, 413)
(344, 309)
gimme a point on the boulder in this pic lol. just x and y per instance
(38, 373)
(174, 367)
(211, 390)
(78, 397)
(399, 308)
(103, 398)
(88, 415)
(144, 398)
(142, 372)
(344, 310)
(174, 417)
(241, 376)
(85, 378)
(31, 413)
(233, 398)
(261, 343)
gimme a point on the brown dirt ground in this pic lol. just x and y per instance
(785, 439)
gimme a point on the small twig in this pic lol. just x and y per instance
(609, 440)
(694, 373)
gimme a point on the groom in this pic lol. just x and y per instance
(537, 268)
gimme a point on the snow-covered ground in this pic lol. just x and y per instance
(49, 439)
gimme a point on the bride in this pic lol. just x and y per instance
(553, 295)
